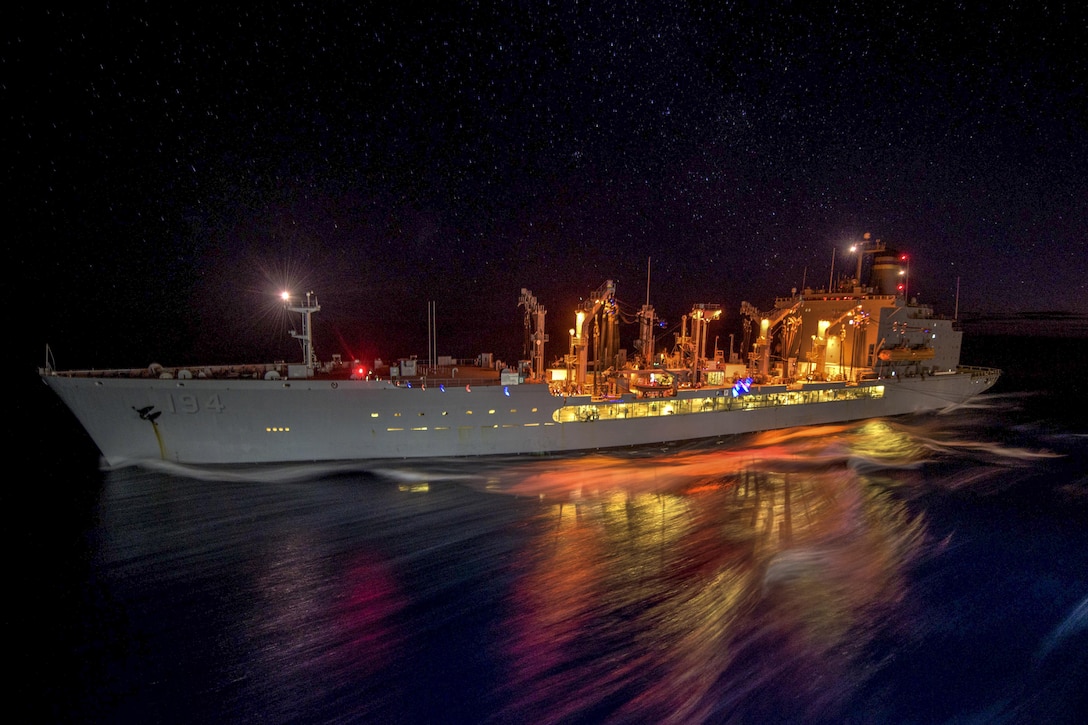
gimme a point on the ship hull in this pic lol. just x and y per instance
(212, 421)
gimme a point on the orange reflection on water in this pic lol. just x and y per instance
(659, 588)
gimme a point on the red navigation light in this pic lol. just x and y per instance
(360, 370)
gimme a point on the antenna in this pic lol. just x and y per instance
(648, 280)
(432, 335)
(831, 282)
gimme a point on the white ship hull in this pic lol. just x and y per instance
(197, 421)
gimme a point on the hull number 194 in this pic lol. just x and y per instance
(190, 403)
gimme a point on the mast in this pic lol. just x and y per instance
(309, 355)
(646, 324)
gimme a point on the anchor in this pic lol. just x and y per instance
(149, 414)
(146, 414)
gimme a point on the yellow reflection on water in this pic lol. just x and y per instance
(414, 487)
(881, 439)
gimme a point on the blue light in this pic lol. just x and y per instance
(506, 391)
(409, 385)
(442, 387)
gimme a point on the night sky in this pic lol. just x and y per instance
(172, 166)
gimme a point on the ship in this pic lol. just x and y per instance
(847, 352)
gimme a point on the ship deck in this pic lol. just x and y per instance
(444, 375)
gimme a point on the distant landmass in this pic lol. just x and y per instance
(1045, 323)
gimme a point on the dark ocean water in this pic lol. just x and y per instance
(915, 570)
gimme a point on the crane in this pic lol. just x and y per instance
(535, 337)
(761, 348)
(603, 298)
(818, 354)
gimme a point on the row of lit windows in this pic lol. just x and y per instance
(716, 404)
(619, 411)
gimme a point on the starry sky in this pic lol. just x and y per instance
(172, 166)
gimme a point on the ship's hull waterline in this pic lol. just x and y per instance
(209, 421)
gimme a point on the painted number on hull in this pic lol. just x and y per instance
(188, 403)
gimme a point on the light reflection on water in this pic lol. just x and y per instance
(681, 578)
(767, 578)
